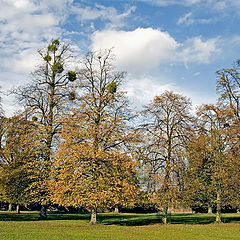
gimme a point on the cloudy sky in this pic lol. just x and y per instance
(162, 44)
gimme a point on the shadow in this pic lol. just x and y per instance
(33, 216)
(231, 219)
(123, 219)
(131, 220)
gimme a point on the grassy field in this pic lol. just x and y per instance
(121, 226)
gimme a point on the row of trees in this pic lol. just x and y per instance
(77, 142)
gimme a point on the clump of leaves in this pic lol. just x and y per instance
(112, 87)
(57, 67)
(34, 118)
(72, 76)
(72, 96)
(54, 46)
(55, 42)
(47, 58)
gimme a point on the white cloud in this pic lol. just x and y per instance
(197, 73)
(101, 12)
(186, 19)
(146, 48)
(25, 24)
(197, 50)
(24, 62)
(141, 49)
(143, 89)
(171, 2)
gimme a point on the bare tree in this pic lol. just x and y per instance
(45, 100)
(167, 127)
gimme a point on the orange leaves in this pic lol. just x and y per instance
(91, 169)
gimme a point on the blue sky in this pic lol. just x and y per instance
(162, 44)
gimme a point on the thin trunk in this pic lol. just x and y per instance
(94, 217)
(165, 216)
(9, 207)
(218, 214)
(18, 209)
(43, 213)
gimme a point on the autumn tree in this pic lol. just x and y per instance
(166, 130)
(2, 132)
(92, 169)
(18, 148)
(45, 99)
(211, 164)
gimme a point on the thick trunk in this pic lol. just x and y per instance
(43, 213)
(9, 207)
(18, 209)
(218, 214)
(93, 217)
(165, 216)
(116, 209)
(210, 210)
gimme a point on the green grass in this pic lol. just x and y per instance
(117, 226)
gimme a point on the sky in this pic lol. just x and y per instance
(175, 45)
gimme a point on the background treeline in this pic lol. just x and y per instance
(77, 143)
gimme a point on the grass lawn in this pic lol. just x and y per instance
(121, 226)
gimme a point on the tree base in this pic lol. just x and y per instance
(93, 217)
(43, 213)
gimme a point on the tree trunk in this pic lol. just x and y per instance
(18, 209)
(165, 216)
(218, 214)
(43, 213)
(9, 207)
(94, 217)
(210, 210)
(116, 209)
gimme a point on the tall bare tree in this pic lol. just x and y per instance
(45, 99)
(167, 128)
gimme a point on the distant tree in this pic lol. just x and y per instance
(228, 86)
(18, 148)
(211, 161)
(45, 100)
(166, 130)
(92, 169)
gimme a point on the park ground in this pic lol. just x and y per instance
(123, 226)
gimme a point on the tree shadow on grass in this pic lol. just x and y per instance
(122, 219)
(140, 220)
(33, 216)
(131, 220)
